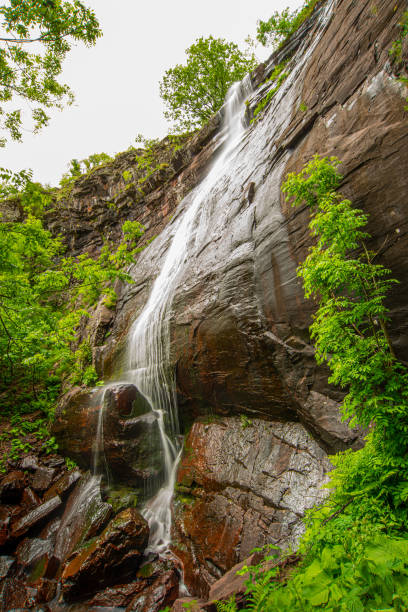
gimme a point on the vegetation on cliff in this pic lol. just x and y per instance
(282, 24)
(355, 546)
(193, 92)
(44, 296)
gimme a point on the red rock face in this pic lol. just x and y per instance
(131, 444)
(240, 340)
(116, 552)
(239, 328)
(241, 485)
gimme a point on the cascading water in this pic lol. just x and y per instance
(149, 344)
(148, 365)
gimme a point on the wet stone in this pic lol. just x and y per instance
(63, 485)
(126, 401)
(30, 499)
(36, 516)
(5, 516)
(157, 596)
(47, 590)
(42, 478)
(5, 565)
(12, 487)
(31, 550)
(54, 462)
(115, 554)
(29, 463)
(84, 516)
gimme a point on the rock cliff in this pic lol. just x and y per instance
(258, 413)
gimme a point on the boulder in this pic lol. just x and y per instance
(155, 582)
(157, 596)
(112, 556)
(35, 517)
(85, 515)
(30, 498)
(12, 486)
(6, 563)
(42, 479)
(63, 484)
(189, 603)
(131, 439)
(242, 484)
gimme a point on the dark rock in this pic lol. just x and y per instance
(46, 591)
(132, 447)
(6, 564)
(100, 324)
(12, 487)
(30, 462)
(84, 516)
(14, 595)
(248, 484)
(30, 499)
(119, 596)
(29, 551)
(232, 584)
(63, 485)
(6, 514)
(148, 576)
(35, 517)
(112, 556)
(239, 327)
(54, 462)
(163, 592)
(42, 478)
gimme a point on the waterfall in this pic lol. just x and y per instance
(148, 364)
(149, 338)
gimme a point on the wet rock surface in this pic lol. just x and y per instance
(242, 484)
(240, 340)
(131, 444)
(239, 329)
(115, 553)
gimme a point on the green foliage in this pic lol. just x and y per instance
(281, 25)
(127, 176)
(227, 606)
(43, 297)
(70, 463)
(349, 328)
(277, 77)
(193, 92)
(245, 421)
(355, 546)
(341, 578)
(396, 47)
(78, 168)
(37, 35)
(303, 107)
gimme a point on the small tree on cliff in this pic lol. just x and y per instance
(193, 92)
(282, 24)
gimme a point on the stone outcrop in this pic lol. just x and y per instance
(242, 484)
(131, 445)
(94, 208)
(240, 322)
(240, 345)
(115, 553)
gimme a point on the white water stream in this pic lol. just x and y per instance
(149, 338)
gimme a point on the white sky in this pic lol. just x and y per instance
(116, 83)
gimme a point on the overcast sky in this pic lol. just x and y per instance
(116, 82)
